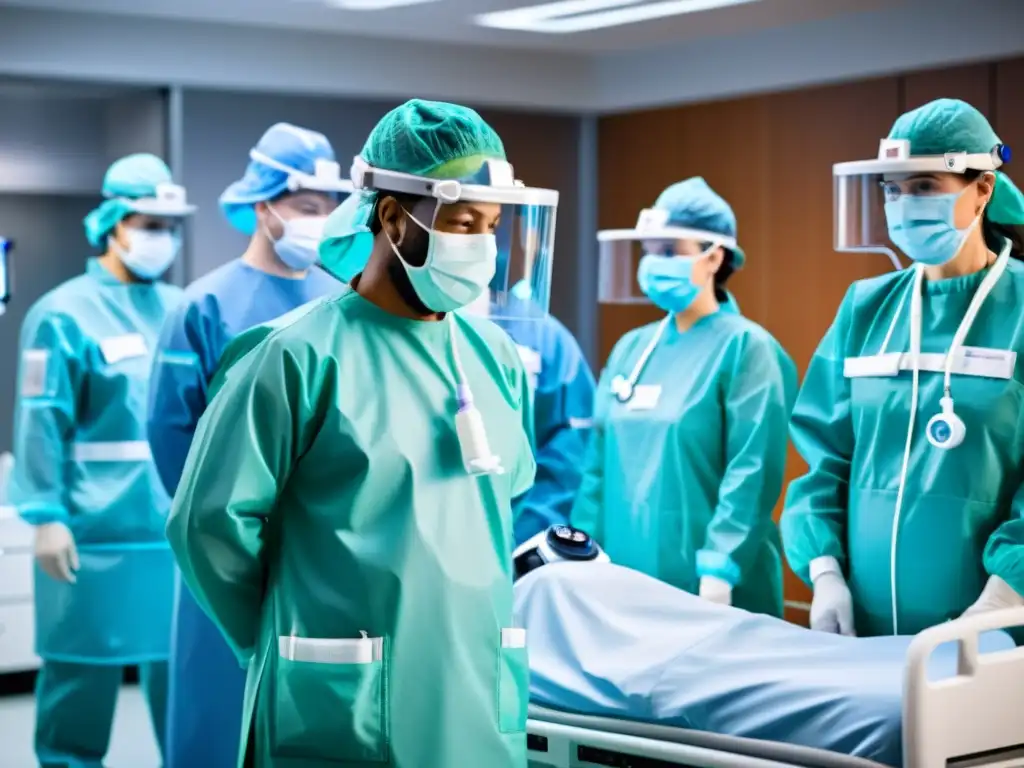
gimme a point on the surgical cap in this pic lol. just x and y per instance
(694, 205)
(421, 138)
(131, 177)
(289, 145)
(951, 125)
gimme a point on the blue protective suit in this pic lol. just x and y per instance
(681, 481)
(81, 458)
(206, 684)
(563, 401)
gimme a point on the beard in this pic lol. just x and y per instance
(414, 250)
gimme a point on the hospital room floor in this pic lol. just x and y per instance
(131, 746)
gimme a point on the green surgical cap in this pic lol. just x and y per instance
(951, 125)
(127, 179)
(693, 204)
(422, 138)
(432, 138)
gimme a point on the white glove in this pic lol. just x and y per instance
(715, 590)
(997, 596)
(832, 606)
(55, 551)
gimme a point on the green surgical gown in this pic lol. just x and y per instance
(961, 516)
(324, 497)
(681, 481)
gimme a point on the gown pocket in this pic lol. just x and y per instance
(330, 700)
(513, 681)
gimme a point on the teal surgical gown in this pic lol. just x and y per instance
(206, 682)
(962, 508)
(681, 481)
(81, 458)
(324, 501)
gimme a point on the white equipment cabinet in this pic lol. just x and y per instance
(17, 619)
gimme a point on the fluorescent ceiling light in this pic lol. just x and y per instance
(568, 16)
(374, 5)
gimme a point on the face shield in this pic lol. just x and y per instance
(525, 234)
(620, 252)
(169, 201)
(326, 176)
(862, 188)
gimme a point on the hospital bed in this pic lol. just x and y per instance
(960, 701)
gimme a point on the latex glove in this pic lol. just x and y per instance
(56, 552)
(832, 605)
(716, 590)
(997, 596)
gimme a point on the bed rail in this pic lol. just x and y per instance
(563, 746)
(975, 717)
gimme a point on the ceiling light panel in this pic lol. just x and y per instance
(572, 16)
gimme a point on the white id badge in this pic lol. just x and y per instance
(645, 397)
(118, 348)
(34, 363)
(872, 366)
(989, 363)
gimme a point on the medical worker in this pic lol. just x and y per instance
(345, 511)
(282, 201)
(910, 415)
(84, 476)
(689, 444)
(563, 400)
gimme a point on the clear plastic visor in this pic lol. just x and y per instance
(859, 214)
(521, 287)
(619, 261)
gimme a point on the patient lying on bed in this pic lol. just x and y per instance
(608, 641)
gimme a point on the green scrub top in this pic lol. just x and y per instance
(326, 522)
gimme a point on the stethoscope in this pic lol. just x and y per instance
(623, 387)
(945, 430)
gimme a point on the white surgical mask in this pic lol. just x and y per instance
(149, 254)
(457, 271)
(298, 246)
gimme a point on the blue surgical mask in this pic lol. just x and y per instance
(149, 254)
(922, 227)
(668, 281)
(297, 248)
(458, 268)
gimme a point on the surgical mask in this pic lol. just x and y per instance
(922, 227)
(457, 270)
(149, 254)
(298, 246)
(668, 281)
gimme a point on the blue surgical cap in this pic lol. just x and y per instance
(422, 138)
(694, 205)
(951, 125)
(285, 144)
(130, 178)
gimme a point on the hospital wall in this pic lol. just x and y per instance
(770, 156)
(56, 141)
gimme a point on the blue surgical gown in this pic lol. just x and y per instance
(563, 402)
(206, 683)
(81, 458)
(680, 482)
